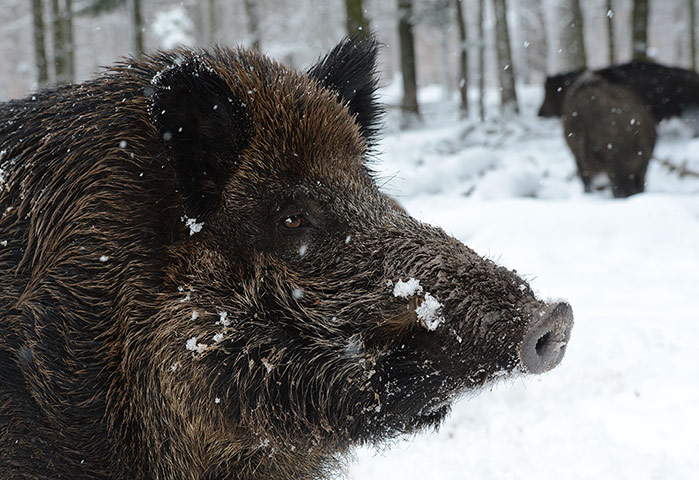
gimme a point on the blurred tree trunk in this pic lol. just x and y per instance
(519, 42)
(693, 34)
(40, 44)
(137, 20)
(577, 32)
(481, 60)
(534, 39)
(407, 59)
(213, 26)
(60, 75)
(463, 59)
(356, 21)
(572, 38)
(639, 30)
(610, 33)
(567, 50)
(506, 76)
(69, 49)
(253, 24)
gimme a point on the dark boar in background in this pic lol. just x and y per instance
(610, 132)
(664, 91)
(201, 280)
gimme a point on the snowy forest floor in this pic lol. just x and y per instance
(624, 403)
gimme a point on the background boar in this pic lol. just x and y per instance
(609, 132)
(201, 279)
(665, 91)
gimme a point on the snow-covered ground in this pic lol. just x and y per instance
(624, 404)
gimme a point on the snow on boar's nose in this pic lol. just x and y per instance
(546, 339)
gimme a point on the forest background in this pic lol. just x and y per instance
(459, 44)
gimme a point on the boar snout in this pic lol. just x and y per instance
(546, 339)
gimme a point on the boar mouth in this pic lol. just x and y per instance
(546, 340)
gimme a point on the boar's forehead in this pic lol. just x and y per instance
(297, 124)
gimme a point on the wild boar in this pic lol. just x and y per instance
(201, 280)
(664, 91)
(610, 133)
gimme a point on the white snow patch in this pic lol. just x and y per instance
(194, 227)
(194, 346)
(297, 293)
(223, 319)
(104, 258)
(3, 173)
(268, 365)
(354, 347)
(407, 289)
(428, 312)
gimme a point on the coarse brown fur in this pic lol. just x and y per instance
(197, 274)
(610, 132)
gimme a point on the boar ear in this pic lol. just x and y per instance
(203, 128)
(350, 71)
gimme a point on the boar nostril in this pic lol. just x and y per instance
(546, 339)
(543, 344)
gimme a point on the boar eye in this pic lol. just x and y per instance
(295, 222)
